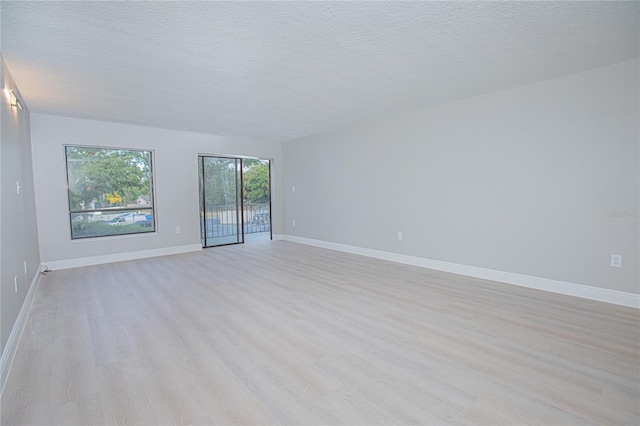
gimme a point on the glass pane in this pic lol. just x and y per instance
(108, 178)
(110, 191)
(203, 229)
(220, 191)
(108, 222)
(257, 208)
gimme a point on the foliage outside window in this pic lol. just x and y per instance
(110, 191)
(256, 181)
(221, 175)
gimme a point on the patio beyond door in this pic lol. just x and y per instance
(235, 202)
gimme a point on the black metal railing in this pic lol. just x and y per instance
(223, 221)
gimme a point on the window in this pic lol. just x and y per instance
(110, 191)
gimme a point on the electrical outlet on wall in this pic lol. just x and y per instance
(293, 223)
(400, 236)
(616, 260)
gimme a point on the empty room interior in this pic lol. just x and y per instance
(320, 213)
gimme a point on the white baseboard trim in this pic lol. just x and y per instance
(554, 286)
(120, 257)
(9, 353)
(277, 237)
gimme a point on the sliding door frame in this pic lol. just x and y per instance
(240, 219)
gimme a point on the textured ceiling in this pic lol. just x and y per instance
(281, 70)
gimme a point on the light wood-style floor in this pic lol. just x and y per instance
(280, 333)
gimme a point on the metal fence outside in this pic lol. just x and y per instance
(222, 221)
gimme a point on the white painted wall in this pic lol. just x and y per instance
(518, 181)
(18, 232)
(176, 183)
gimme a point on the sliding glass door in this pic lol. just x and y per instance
(220, 201)
(235, 202)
